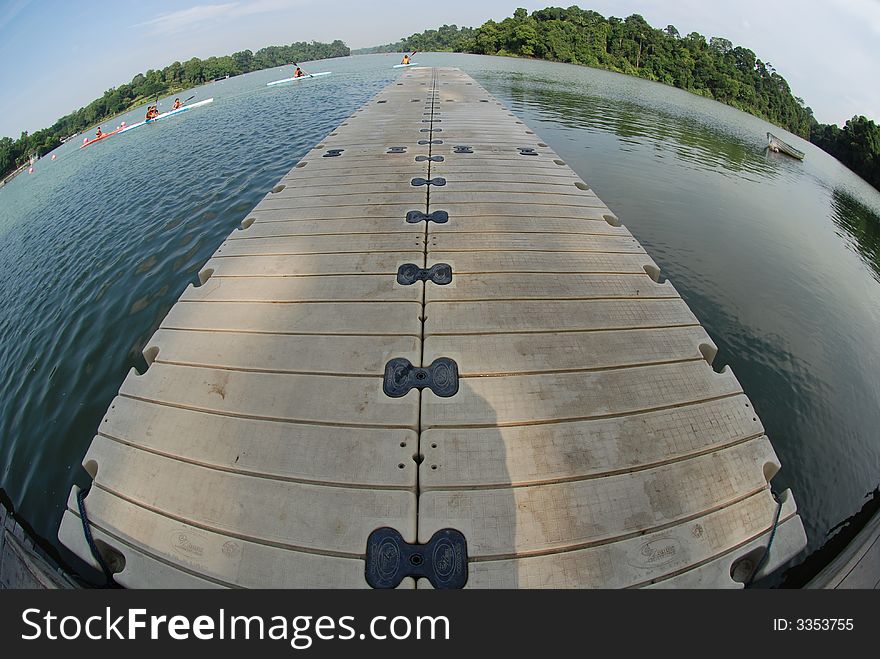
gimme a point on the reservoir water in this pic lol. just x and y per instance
(779, 259)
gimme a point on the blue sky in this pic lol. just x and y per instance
(58, 56)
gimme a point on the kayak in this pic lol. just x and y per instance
(402, 66)
(309, 75)
(98, 139)
(170, 113)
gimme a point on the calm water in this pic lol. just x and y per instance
(779, 259)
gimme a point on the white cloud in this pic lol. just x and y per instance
(199, 15)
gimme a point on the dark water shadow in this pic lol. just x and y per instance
(838, 537)
(690, 138)
(859, 226)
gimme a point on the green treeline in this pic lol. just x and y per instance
(856, 145)
(146, 86)
(713, 68)
(448, 38)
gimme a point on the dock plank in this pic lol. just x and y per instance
(297, 398)
(329, 288)
(300, 265)
(568, 351)
(571, 514)
(547, 286)
(359, 457)
(213, 500)
(473, 262)
(515, 456)
(324, 318)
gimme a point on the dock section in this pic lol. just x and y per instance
(586, 442)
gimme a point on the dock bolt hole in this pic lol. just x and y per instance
(433, 445)
(416, 559)
(559, 162)
(278, 188)
(302, 164)
(434, 467)
(401, 466)
(421, 375)
(402, 444)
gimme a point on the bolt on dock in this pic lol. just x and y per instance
(431, 356)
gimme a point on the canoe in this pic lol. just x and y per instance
(104, 136)
(401, 66)
(310, 75)
(778, 146)
(170, 113)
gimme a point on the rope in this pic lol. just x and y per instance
(766, 555)
(87, 531)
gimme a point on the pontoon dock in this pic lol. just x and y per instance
(572, 432)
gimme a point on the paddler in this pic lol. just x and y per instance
(99, 134)
(152, 112)
(177, 104)
(405, 60)
(299, 73)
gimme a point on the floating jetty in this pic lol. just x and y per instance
(431, 356)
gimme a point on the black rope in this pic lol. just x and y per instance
(769, 542)
(87, 531)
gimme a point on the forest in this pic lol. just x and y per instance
(713, 68)
(146, 86)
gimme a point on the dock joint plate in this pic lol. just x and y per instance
(442, 560)
(410, 273)
(440, 217)
(439, 181)
(401, 376)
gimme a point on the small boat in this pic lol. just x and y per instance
(170, 113)
(103, 137)
(778, 146)
(403, 66)
(308, 75)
